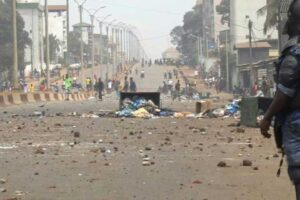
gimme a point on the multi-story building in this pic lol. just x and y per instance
(240, 14)
(32, 13)
(57, 19)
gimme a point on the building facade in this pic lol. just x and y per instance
(57, 19)
(240, 14)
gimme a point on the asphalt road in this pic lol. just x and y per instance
(125, 159)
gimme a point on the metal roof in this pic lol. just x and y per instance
(255, 45)
(57, 8)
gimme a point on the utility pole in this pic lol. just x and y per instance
(68, 31)
(80, 7)
(81, 39)
(252, 75)
(227, 61)
(15, 45)
(92, 16)
(108, 57)
(101, 45)
(47, 45)
(93, 50)
(113, 51)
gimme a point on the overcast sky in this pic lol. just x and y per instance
(153, 18)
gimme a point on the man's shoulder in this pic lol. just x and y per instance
(295, 50)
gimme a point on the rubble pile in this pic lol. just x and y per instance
(141, 108)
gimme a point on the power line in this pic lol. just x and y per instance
(146, 9)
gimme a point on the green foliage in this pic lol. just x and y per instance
(6, 38)
(54, 47)
(224, 10)
(74, 45)
(182, 35)
(270, 10)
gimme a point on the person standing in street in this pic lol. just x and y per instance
(177, 90)
(264, 86)
(132, 85)
(126, 84)
(100, 87)
(68, 85)
(286, 103)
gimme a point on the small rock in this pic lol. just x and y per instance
(197, 182)
(103, 149)
(76, 134)
(2, 181)
(146, 163)
(255, 168)
(222, 164)
(148, 148)
(240, 130)
(39, 151)
(247, 163)
(202, 130)
(19, 193)
(3, 190)
(275, 155)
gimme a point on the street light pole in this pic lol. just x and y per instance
(101, 38)
(92, 16)
(68, 28)
(47, 45)
(81, 38)
(227, 61)
(80, 6)
(15, 46)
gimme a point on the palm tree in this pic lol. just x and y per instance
(270, 10)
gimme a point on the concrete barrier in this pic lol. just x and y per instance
(42, 95)
(75, 96)
(60, 97)
(49, 96)
(82, 97)
(4, 100)
(30, 98)
(24, 98)
(7, 99)
(15, 98)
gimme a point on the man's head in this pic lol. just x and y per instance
(292, 26)
(131, 79)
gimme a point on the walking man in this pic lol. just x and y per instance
(177, 90)
(132, 85)
(100, 88)
(68, 85)
(286, 104)
(126, 84)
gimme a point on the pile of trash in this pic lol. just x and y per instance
(231, 110)
(138, 107)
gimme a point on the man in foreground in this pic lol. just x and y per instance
(286, 103)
